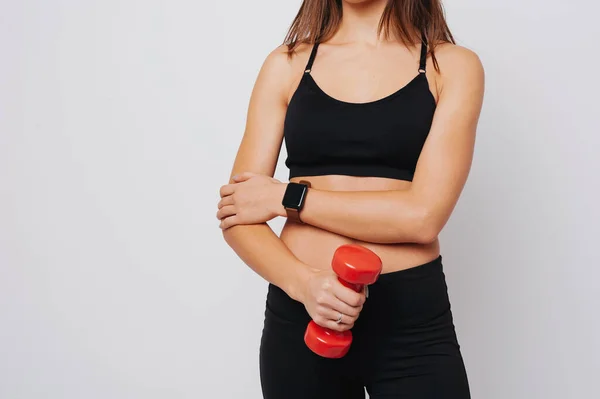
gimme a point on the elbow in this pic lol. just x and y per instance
(426, 237)
(427, 227)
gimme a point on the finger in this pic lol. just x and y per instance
(337, 306)
(228, 200)
(243, 177)
(334, 315)
(226, 211)
(344, 308)
(332, 325)
(348, 295)
(227, 189)
(229, 222)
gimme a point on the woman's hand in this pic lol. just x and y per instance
(325, 299)
(252, 199)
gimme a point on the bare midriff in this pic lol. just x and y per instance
(315, 247)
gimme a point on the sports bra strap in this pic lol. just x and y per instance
(423, 62)
(313, 54)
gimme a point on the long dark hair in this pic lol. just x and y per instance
(407, 20)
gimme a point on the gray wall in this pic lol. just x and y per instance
(120, 119)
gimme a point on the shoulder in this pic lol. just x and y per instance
(276, 65)
(454, 53)
(459, 63)
(280, 62)
(281, 70)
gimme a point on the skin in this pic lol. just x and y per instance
(398, 220)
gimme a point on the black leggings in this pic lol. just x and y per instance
(404, 345)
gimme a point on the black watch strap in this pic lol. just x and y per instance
(294, 198)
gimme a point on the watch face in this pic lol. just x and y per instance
(294, 195)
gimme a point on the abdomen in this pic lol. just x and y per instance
(315, 246)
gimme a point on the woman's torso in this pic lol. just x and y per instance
(387, 94)
(315, 246)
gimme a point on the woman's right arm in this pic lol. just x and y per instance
(256, 244)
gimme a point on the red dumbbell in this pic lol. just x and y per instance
(356, 266)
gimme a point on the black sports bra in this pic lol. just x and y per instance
(381, 138)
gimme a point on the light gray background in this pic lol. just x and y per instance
(119, 120)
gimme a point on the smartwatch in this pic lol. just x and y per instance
(293, 199)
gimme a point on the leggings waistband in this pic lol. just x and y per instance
(407, 293)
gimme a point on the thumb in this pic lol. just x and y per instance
(243, 177)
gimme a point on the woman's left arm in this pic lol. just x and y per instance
(417, 214)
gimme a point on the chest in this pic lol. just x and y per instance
(393, 128)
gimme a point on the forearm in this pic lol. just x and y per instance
(260, 248)
(372, 216)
